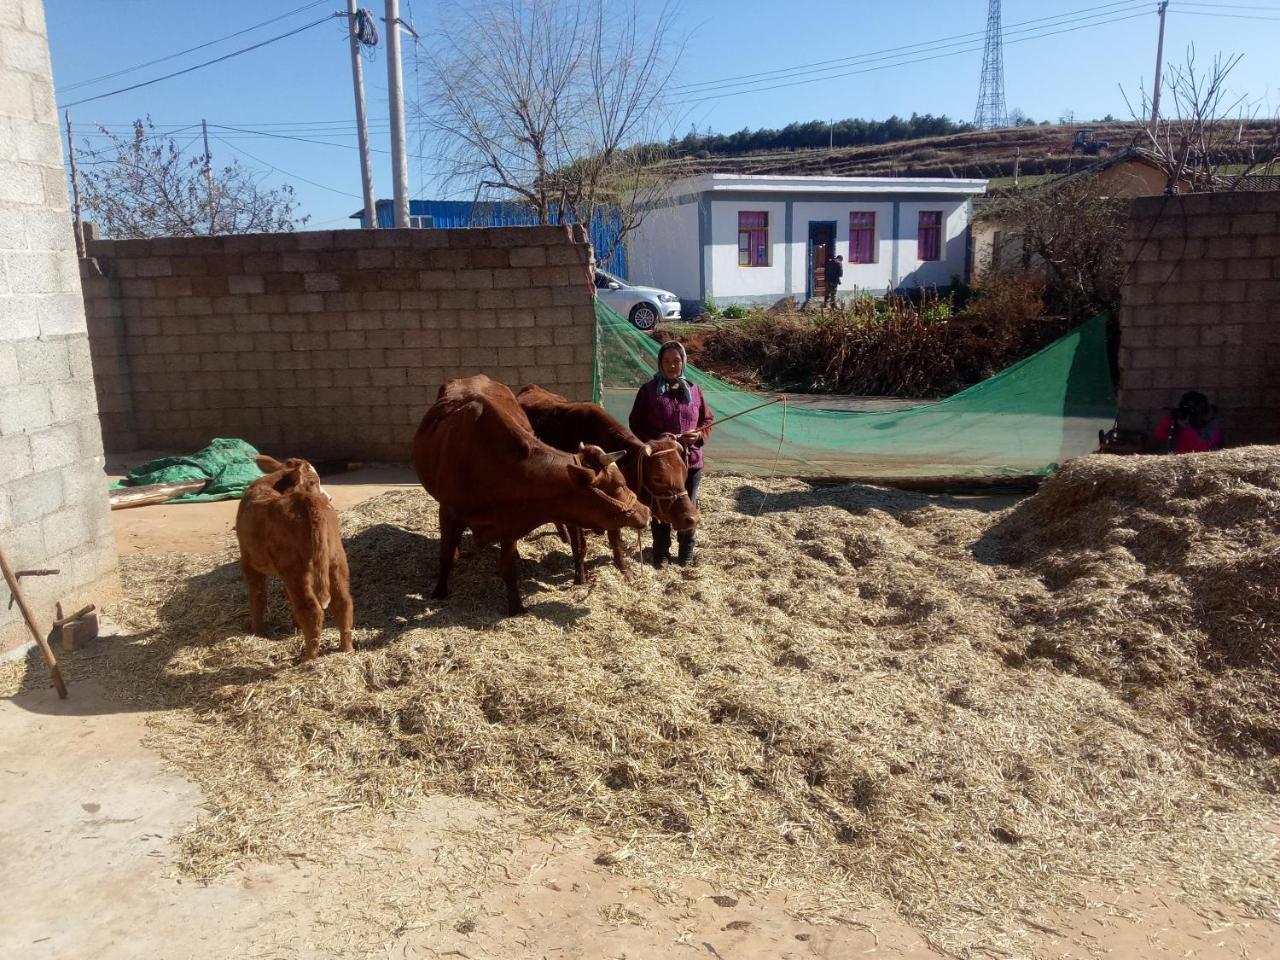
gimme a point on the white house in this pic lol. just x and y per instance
(757, 239)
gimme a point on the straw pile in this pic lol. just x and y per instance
(859, 695)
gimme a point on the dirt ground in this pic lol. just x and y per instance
(89, 812)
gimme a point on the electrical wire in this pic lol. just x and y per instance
(811, 66)
(900, 63)
(286, 173)
(1225, 16)
(150, 63)
(198, 66)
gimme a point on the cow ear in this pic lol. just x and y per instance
(582, 476)
(268, 464)
(581, 446)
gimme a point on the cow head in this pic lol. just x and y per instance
(662, 473)
(293, 474)
(611, 505)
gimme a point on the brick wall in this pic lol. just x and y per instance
(327, 343)
(53, 499)
(1201, 310)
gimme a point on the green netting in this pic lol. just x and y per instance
(227, 465)
(1023, 421)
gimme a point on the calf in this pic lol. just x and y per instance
(288, 528)
(476, 453)
(655, 471)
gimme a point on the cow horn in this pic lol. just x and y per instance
(614, 457)
(648, 450)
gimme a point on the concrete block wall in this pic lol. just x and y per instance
(1201, 310)
(328, 343)
(53, 495)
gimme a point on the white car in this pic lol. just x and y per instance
(643, 306)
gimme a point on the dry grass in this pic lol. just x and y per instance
(858, 695)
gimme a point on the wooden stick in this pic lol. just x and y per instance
(153, 493)
(33, 625)
(740, 413)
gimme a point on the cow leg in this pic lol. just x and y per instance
(563, 532)
(615, 542)
(257, 583)
(509, 565)
(340, 593)
(451, 528)
(309, 616)
(578, 543)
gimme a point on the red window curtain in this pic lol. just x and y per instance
(753, 238)
(929, 235)
(862, 237)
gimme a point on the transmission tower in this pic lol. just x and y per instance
(991, 109)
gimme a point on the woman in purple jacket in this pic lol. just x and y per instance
(670, 404)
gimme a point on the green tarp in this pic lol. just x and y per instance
(227, 464)
(1023, 421)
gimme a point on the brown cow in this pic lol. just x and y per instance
(288, 528)
(655, 471)
(476, 453)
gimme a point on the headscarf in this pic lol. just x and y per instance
(682, 386)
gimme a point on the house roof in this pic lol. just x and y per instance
(744, 183)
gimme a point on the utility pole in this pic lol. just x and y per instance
(362, 123)
(395, 89)
(75, 189)
(208, 174)
(1155, 95)
(831, 135)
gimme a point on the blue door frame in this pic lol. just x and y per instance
(819, 225)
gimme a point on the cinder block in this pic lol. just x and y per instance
(1210, 226)
(245, 284)
(566, 256)
(528, 256)
(24, 409)
(383, 339)
(457, 299)
(543, 375)
(490, 299)
(155, 267)
(320, 282)
(54, 446)
(306, 303)
(533, 297)
(389, 377)
(554, 356)
(531, 337)
(494, 257)
(570, 295)
(375, 259)
(288, 323)
(380, 300)
(1253, 224)
(42, 361)
(479, 358)
(193, 307)
(475, 279)
(72, 400)
(15, 456)
(251, 323)
(1249, 270)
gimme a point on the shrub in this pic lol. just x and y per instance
(919, 346)
(736, 312)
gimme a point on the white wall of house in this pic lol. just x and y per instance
(873, 277)
(663, 251)
(912, 272)
(724, 277)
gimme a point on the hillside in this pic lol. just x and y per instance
(977, 153)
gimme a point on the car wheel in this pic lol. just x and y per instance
(644, 316)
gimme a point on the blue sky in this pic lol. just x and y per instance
(301, 86)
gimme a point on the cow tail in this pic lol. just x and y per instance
(321, 550)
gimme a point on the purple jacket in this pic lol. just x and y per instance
(654, 414)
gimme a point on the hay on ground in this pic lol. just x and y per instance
(859, 695)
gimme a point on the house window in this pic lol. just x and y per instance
(420, 223)
(753, 238)
(929, 235)
(862, 237)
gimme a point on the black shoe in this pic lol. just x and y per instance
(661, 547)
(687, 555)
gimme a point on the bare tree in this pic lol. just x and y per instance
(553, 103)
(142, 186)
(1205, 124)
(1076, 236)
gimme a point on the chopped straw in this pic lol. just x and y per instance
(859, 696)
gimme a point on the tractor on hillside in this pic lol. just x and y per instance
(1086, 144)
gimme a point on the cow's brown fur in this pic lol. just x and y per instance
(656, 471)
(477, 454)
(288, 528)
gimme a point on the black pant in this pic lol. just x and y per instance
(662, 531)
(832, 289)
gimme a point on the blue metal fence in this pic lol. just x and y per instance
(453, 214)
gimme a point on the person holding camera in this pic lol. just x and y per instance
(1191, 427)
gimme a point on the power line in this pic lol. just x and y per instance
(1225, 16)
(150, 63)
(822, 65)
(198, 66)
(900, 63)
(322, 143)
(286, 173)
